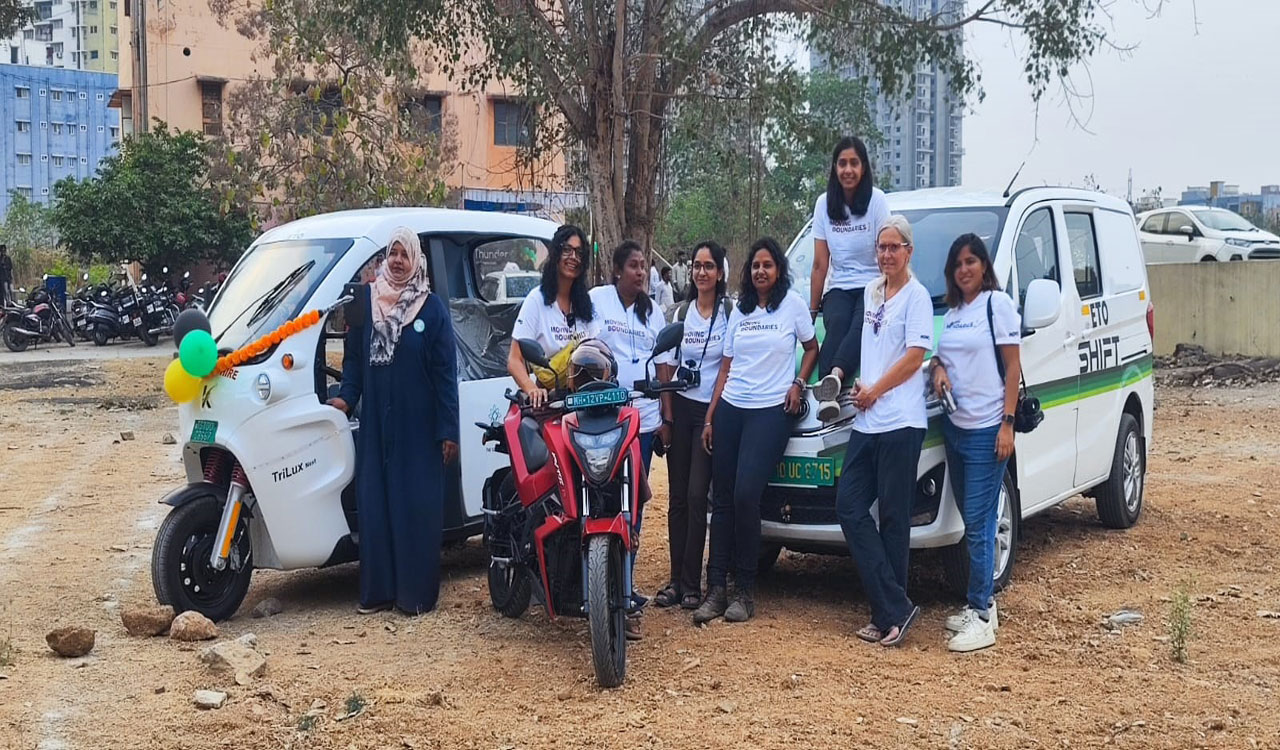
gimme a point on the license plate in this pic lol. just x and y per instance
(137, 321)
(151, 308)
(204, 431)
(805, 471)
(611, 397)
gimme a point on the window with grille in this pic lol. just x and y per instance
(211, 107)
(512, 123)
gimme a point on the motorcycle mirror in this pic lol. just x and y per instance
(186, 275)
(85, 277)
(164, 269)
(144, 277)
(45, 277)
(669, 337)
(532, 352)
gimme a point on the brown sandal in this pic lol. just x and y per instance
(690, 601)
(667, 596)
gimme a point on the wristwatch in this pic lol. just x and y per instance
(1008, 419)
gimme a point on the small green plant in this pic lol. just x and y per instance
(355, 704)
(307, 722)
(1180, 624)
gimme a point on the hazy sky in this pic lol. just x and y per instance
(1197, 100)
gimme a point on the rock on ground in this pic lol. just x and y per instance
(268, 608)
(207, 699)
(147, 620)
(237, 657)
(192, 626)
(71, 642)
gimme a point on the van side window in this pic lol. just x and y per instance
(1123, 270)
(1036, 251)
(1154, 224)
(1084, 254)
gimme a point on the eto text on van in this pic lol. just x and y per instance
(1072, 261)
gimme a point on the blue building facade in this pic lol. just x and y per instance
(1263, 205)
(54, 123)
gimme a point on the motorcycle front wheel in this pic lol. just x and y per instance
(16, 342)
(148, 338)
(100, 336)
(607, 609)
(180, 569)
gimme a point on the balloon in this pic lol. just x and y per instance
(188, 321)
(198, 353)
(179, 384)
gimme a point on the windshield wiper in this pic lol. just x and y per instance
(269, 299)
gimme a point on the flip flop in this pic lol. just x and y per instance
(895, 639)
(869, 633)
(691, 601)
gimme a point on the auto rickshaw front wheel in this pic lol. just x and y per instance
(180, 570)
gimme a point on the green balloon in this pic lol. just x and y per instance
(198, 353)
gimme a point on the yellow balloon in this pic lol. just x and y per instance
(179, 384)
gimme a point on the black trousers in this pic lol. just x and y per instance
(689, 474)
(748, 443)
(880, 466)
(842, 313)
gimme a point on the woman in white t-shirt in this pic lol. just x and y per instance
(629, 322)
(756, 395)
(705, 315)
(888, 432)
(981, 325)
(558, 312)
(845, 221)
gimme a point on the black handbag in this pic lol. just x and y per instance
(1027, 415)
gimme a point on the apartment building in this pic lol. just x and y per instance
(73, 34)
(183, 64)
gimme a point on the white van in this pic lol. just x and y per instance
(1191, 234)
(1072, 261)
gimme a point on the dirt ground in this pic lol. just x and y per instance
(78, 514)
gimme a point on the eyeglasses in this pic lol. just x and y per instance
(708, 267)
(892, 248)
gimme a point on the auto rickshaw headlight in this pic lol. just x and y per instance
(263, 386)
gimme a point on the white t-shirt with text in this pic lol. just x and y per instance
(763, 347)
(632, 341)
(547, 325)
(888, 330)
(691, 348)
(965, 349)
(851, 242)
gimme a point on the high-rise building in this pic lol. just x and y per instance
(53, 124)
(75, 34)
(920, 143)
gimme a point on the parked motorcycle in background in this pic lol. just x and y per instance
(38, 321)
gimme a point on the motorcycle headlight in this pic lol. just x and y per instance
(1237, 242)
(263, 386)
(596, 452)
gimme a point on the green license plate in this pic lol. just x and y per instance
(204, 431)
(805, 471)
(611, 397)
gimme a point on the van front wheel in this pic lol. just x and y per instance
(1119, 498)
(955, 559)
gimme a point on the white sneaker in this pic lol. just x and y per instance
(827, 389)
(828, 411)
(955, 623)
(976, 634)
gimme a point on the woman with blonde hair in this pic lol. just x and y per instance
(403, 363)
(888, 432)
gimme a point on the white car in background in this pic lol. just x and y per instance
(508, 286)
(1190, 234)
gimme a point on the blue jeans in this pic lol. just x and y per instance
(976, 474)
(880, 466)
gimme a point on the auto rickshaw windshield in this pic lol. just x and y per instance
(270, 285)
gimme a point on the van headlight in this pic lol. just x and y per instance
(263, 386)
(596, 452)
(1237, 242)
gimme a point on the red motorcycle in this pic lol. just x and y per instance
(562, 515)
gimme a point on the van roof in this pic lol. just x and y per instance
(960, 197)
(378, 223)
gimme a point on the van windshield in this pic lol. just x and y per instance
(933, 231)
(269, 286)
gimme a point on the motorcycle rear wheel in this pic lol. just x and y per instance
(180, 570)
(68, 335)
(148, 338)
(100, 336)
(606, 610)
(14, 340)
